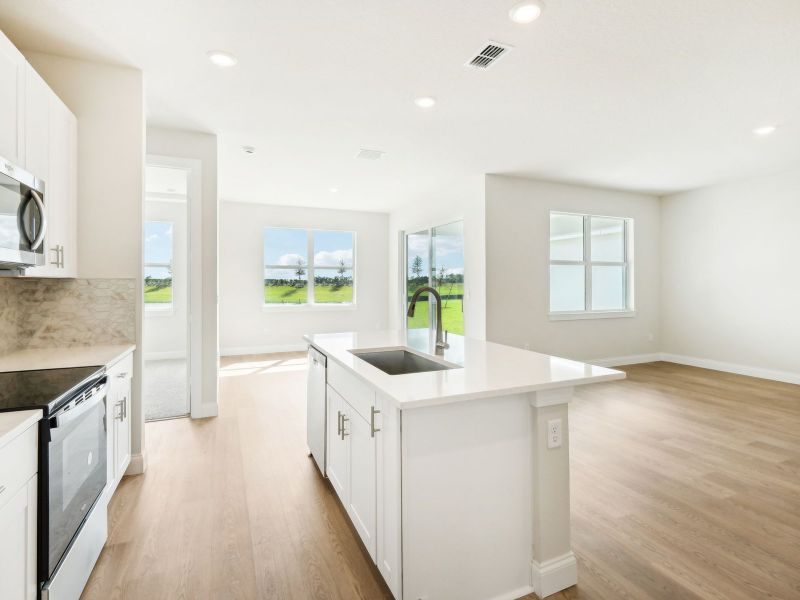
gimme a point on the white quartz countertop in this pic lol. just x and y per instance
(15, 422)
(63, 358)
(487, 369)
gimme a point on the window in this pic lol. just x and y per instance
(435, 257)
(158, 265)
(590, 264)
(288, 270)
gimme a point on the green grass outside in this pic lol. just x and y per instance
(452, 310)
(155, 295)
(286, 294)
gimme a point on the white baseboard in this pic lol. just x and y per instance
(514, 594)
(205, 410)
(705, 363)
(137, 465)
(169, 355)
(265, 349)
(633, 359)
(554, 575)
(716, 365)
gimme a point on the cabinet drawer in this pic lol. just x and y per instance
(122, 369)
(18, 461)
(357, 393)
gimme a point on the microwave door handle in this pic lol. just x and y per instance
(61, 418)
(36, 242)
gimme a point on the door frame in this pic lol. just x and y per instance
(194, 343)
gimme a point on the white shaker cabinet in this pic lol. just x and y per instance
(18, 544)
(351, 466)
(361, 468)
(18, 493)
(61, 192)
(12, 102)
(118, 420)
(39, 134)
(37, 126)
(337, 461)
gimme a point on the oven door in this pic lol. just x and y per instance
(76, 468)
(23, 219)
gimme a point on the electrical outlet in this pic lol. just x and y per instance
(650, 337)
(527, 346)
(554, 433)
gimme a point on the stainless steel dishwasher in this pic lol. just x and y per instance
(317, 406)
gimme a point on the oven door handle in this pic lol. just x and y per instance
(65, 416)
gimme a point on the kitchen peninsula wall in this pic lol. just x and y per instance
(48, 313)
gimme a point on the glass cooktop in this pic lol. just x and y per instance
(44, 389)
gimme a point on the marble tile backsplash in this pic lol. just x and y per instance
(44, 313)
(9, 320)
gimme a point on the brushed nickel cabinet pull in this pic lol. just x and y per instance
(344, 431)
(372, 413)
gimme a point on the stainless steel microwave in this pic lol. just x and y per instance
(23, 219)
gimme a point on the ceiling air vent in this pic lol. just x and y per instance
(367, 154)
(490, 54)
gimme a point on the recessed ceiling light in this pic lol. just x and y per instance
(248, 150)
(333, 190)
(222, 58)
(526, 11)
(425, 102)
(765, 130)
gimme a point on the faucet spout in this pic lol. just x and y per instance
(441, 344)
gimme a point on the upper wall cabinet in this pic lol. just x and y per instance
(39, 133)
(12, 102)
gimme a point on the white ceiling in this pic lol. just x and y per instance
(647, 95)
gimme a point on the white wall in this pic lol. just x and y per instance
(440, 210)
(109, 104)
(246, 326)
(517, 266)
(201, 147)
(730, 283)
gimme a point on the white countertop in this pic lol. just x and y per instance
(15, 422)
(488, 369)
(63, 358)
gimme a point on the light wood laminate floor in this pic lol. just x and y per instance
(685, 485)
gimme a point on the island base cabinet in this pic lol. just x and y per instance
(361, 454)
(18, 543)
(351, 466)
(336, 459)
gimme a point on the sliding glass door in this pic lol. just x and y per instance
(435, 257)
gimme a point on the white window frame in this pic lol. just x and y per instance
(588, 263)
(162, 307)
(310, 303)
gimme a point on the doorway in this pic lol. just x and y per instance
(435, 257)
(167, 291)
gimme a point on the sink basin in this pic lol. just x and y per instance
(401, 362)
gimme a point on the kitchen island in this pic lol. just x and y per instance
(456, 477)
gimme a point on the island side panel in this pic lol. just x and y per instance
(554, 567)
(389, 558)
(467, 507)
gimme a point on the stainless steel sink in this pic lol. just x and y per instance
(401, 362)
